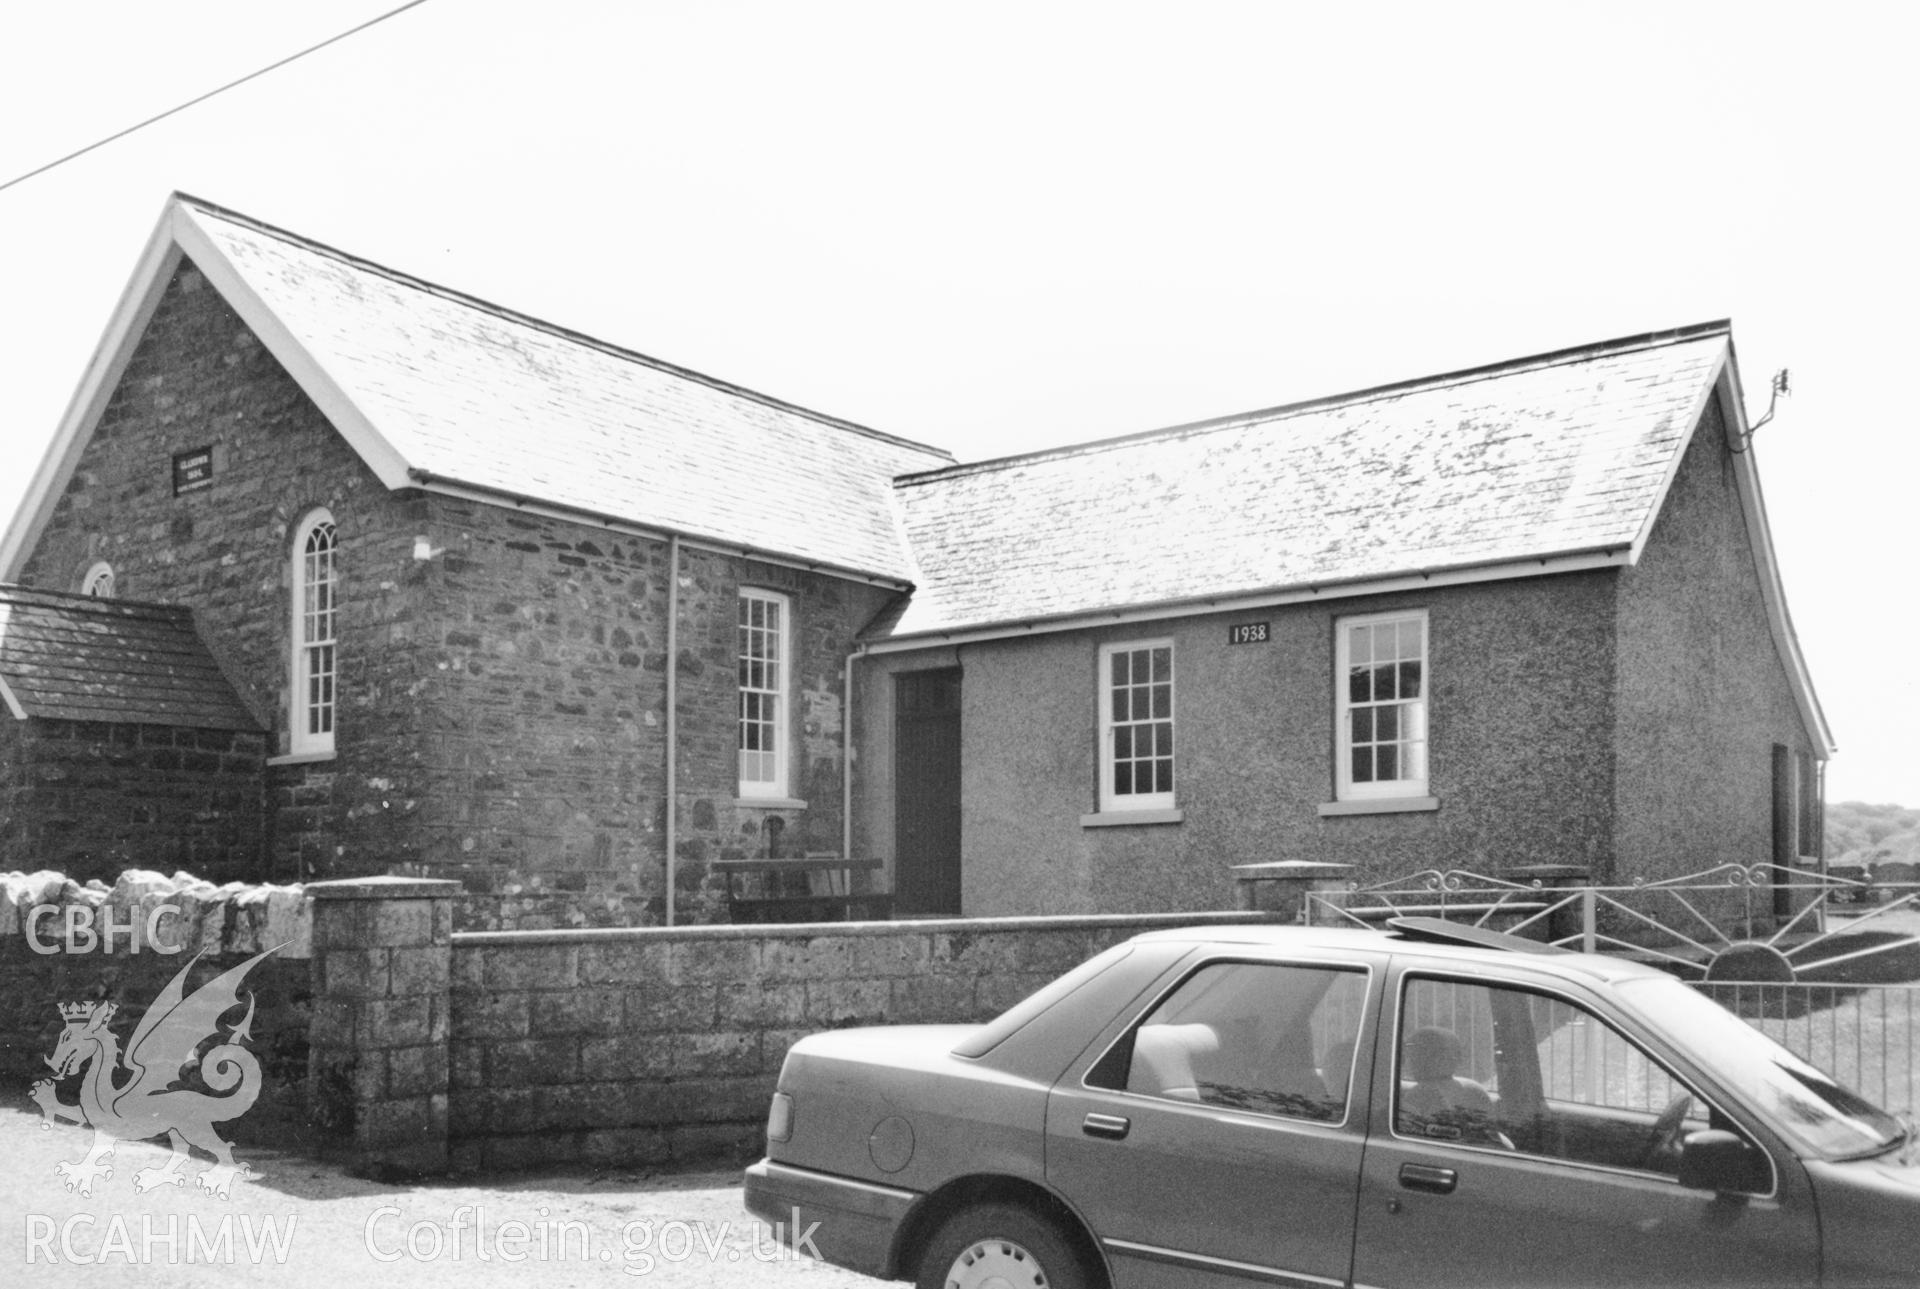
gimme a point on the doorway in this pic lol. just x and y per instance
(926, 775)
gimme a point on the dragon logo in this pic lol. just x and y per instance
(133, 1098)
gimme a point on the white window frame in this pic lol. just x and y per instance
(777, 697)
(1112, 800)
(98, 582)
(310, 650)
(1413, 712)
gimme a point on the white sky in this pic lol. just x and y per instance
(998, 227)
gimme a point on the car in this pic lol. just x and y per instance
(1427, 1104)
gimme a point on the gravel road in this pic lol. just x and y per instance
(302, 1223)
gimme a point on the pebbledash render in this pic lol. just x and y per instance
(502, 603)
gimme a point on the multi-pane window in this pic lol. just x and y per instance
(1136, 726)
(98, 583)
(763, 687)
(316, 662)
(1381, 678)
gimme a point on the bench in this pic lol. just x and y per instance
(829, 895)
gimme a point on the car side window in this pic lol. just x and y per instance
(1523, 1071)
(1265, 1037)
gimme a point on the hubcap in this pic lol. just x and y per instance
(996, 1264)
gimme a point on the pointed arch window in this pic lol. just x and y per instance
(98, 583)
(316, 662)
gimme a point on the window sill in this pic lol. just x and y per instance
(1379, 806)
(301, 758)
(1121, 818)
(769, 803)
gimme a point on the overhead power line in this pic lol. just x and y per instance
(253, 75)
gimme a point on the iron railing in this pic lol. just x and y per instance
(1865, 1036)
(1719, 929)
(1687, 924)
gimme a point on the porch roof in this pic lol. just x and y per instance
(70, 657)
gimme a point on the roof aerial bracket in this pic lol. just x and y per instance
(1781, 385)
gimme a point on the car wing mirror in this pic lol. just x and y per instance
(1721, 1161)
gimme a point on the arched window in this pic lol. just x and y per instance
(316, 663)
(98, 582)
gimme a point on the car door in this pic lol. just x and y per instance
(1217, 1141)
(1517, 1139)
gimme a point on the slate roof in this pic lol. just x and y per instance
(1550, 456)
(79, 659)
(466, 391)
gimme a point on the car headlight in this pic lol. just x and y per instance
(780, 1117)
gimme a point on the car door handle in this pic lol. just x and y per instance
(1426, 1177)
(1105, 1125)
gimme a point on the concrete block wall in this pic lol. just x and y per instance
(662, 1047)
(377, 1061)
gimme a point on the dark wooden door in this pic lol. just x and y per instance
(1786, 850)
(926, 804)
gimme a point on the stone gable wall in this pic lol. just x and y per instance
(199, 378)
(502, 674)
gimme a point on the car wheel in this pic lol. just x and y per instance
(1001, 1246)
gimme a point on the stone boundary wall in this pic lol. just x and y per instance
(661, 1047)
(389, 1040)
(237, 918)
(224, 925)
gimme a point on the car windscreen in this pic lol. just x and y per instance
(1818, 1114)
(995, 1031)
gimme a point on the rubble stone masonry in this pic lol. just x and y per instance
(502, 681)
(91, 799)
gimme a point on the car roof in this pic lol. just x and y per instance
(1534, 955)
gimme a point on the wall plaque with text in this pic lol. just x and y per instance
(192, 470)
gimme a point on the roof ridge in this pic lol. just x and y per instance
(552, 328)
(14, 593)
(1284, 411)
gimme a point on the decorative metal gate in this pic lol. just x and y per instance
(1836, 981)
(1717, 924)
